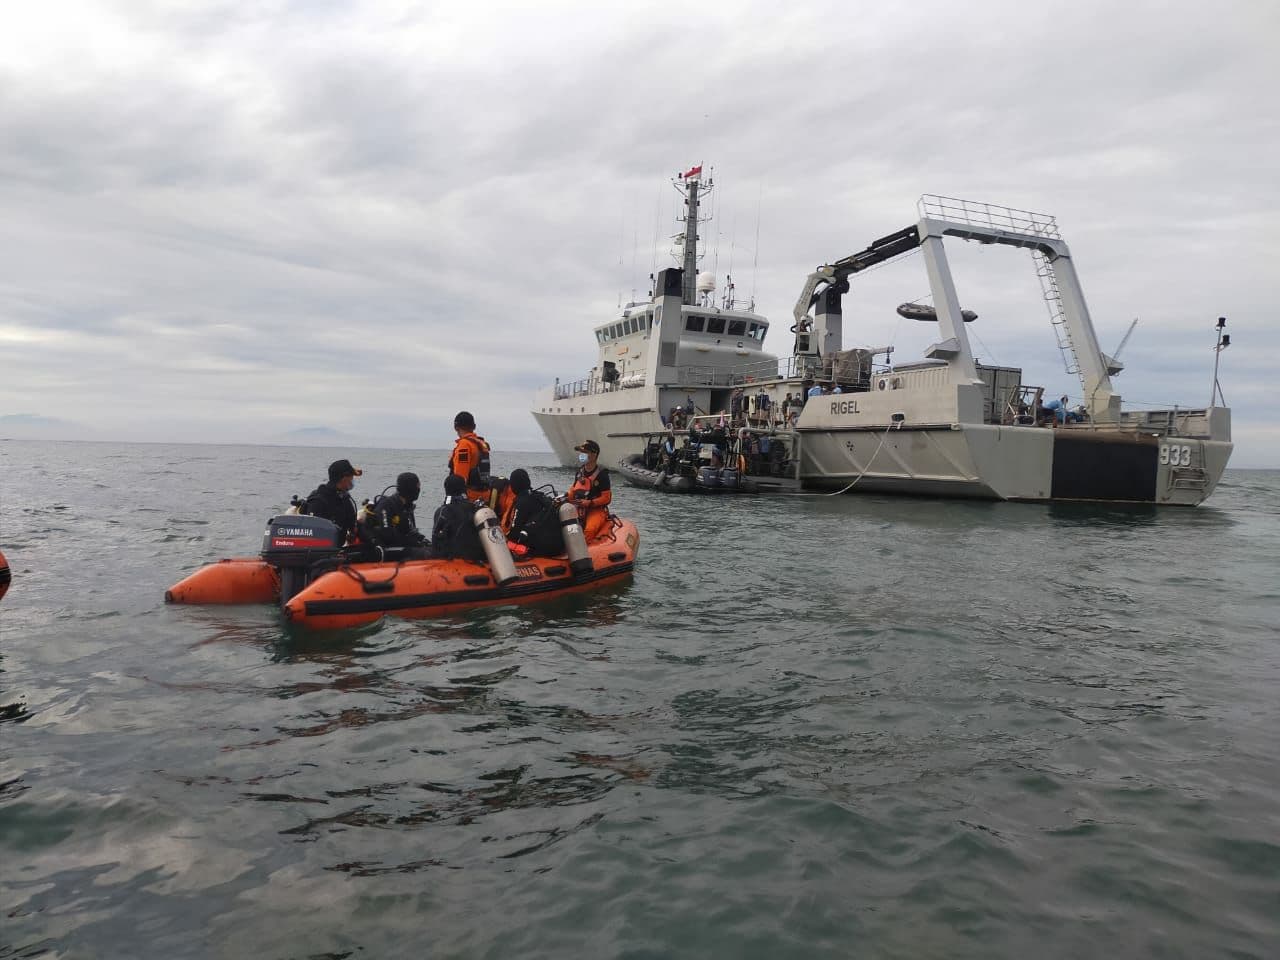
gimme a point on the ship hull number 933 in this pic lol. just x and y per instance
(1175, 454)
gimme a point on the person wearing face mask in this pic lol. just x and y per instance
(332, 500)
(591, 492)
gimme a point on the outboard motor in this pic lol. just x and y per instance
(575, 541)
(495, 546)
(294, 543)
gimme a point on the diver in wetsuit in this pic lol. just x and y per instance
(453, 532)
(534, 525)
(393, 523)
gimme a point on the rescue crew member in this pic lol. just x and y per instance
(668, 453)
(393, 523)
(332, 500)
(591, 492)
(470, 457)
(533, 524)
(453, 532)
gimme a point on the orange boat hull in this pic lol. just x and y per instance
(5, 576)
(240, 580)
(363, 593)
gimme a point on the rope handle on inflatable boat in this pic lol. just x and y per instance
(615, 524)
(365, 582)
(884, 436)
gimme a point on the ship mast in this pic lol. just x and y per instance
(689, 183)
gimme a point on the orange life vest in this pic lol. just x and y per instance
(470, 461)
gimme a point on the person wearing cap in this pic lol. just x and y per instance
(591, 492)
(453, 530)
(470, 457)
(391, 518)
(332, 500)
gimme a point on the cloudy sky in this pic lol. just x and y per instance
(231, 221)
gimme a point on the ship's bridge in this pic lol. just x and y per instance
(700, 324)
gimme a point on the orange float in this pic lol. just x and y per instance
(309, 575)
(239, 580)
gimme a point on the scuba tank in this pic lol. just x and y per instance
(575, 543)
(496, 551)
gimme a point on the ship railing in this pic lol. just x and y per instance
(849, 372)
(593, 385)
(979, 214)
(1169, 422)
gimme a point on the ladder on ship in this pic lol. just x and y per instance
(1057, 313)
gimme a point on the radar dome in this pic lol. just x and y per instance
(706, 282)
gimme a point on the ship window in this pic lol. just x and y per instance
(694, 324)
(715, 324)
(737, 328)
(764, 328)
(600, 335)
(751, 331)
(631, 325)
(617, 330)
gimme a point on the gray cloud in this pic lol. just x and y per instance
(233, 221)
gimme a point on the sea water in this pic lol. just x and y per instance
(806, 727)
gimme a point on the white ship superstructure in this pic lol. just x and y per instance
(678, 348)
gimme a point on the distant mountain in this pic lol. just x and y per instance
(35, 426)
(315, 436)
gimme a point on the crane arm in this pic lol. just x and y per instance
(882, 250)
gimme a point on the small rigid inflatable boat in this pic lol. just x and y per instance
(319, 584)
(5, 576)
(633, 468)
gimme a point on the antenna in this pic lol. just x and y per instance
(657, 235)
(622, 266)
(635, 249)
(1224, 341)
(755, 260)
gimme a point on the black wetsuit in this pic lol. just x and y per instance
(394, 524)
(453, 534)
(329, 502)
(535, 523)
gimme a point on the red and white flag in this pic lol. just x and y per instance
(692, 172)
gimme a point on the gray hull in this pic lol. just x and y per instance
(1015, 463)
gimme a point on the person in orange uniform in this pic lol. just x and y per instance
(470, 457)
(590, 492)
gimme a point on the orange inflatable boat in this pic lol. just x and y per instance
(319, 585)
